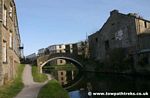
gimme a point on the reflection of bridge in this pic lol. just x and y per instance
(42, 60)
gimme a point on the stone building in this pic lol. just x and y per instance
(60, 48)
(31, 59)
(128, 31)
(9, 41)
(41, 52)
(71, 48)
(144, 48)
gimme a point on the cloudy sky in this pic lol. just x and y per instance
(47, 22)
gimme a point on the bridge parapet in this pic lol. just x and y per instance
(41, 60)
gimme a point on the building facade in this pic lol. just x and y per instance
(71, 48)
(60, 48)
(41, 52)
(9, 41)
(128, 31)
(31, 58)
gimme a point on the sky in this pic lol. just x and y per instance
(47, 22)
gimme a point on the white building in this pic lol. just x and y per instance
(60, 48)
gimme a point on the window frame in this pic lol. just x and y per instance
(11, 40)
(11, 11)
(4, 52)
(5, 16)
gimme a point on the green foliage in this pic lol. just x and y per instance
(53, 90)
(37, 76)
(12, 89)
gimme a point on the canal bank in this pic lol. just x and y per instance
(53, 89)
(31, 88)
(105, 82)
(99, 79)
(101, 82)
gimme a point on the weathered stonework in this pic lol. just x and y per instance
(8, 69)
(119, 31)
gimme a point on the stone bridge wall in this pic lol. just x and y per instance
(44, 58)
(87, 64)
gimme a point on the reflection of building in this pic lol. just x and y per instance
(9, 41)
(62, 78)
(120, 31)
(65, 76)
(70, 75)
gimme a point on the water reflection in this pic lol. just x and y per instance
(64, 74)
(98, 82)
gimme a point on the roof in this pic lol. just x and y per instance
(134, 15)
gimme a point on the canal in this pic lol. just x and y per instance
(79, 84)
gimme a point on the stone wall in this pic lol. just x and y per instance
(119, 31)
(8, 69)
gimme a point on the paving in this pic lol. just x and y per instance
(31, 88)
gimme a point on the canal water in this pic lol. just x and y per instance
(79, 84)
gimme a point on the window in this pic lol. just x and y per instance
(113, 24)
(10, 40)
(59, 46)
(5, 16)
(107, 45)
(62, 73)
(10, 11)
(61, 61)
(145, 24)
(96, 39)
(4, 56)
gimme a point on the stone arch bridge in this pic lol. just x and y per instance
(42, 60)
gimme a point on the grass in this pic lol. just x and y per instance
(37, 76)
(13, 88)
(53, 90)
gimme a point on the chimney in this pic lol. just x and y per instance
(113, 12)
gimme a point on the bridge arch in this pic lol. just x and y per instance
(76, 62)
